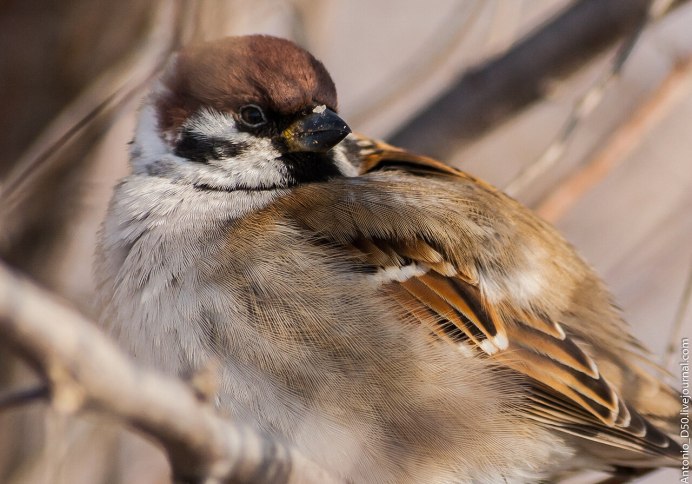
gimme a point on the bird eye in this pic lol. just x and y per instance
(252, 116)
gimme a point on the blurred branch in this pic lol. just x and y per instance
(619, 144)
(490, 94)
(85, 370)
(23, 397)
(432, 55)
(585, 104)
(40, 186)
(102, 95)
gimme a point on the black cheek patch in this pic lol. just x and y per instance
(201, 149)
(310, 167)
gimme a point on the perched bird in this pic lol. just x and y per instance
(395, 319)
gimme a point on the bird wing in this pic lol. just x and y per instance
(428, 272)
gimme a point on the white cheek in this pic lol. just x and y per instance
(254, 171)
(256, 167)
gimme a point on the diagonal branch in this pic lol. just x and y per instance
(619, 145)
(490, 94)
(23, 397)
(86, 371)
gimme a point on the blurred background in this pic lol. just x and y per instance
(580, 109)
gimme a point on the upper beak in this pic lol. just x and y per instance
(318, 131)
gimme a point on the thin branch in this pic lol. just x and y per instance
(431, 57)
(492, 93)
(86, 371)
(581, 109)
(585, 104)
(23, 397)
(97, 103)
(619, 145)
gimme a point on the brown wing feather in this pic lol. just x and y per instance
(456, 293)
(558, 363)
(568, 391)
(424, 296)
(425, 269)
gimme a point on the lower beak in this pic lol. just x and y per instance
(318, 131)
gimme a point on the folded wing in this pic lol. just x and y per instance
(432, 277)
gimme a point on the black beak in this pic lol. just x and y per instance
(318, 131)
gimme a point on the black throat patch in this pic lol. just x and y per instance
(308, 167)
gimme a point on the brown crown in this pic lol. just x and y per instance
(256, 69)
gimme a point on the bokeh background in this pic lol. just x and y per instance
(518, 92)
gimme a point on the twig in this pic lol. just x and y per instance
(85, 370)
(491, 93)
(429, 59)
(585, 104)
(619, 145)
(98, 102)
(23, 397)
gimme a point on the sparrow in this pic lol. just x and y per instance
(395, 319)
